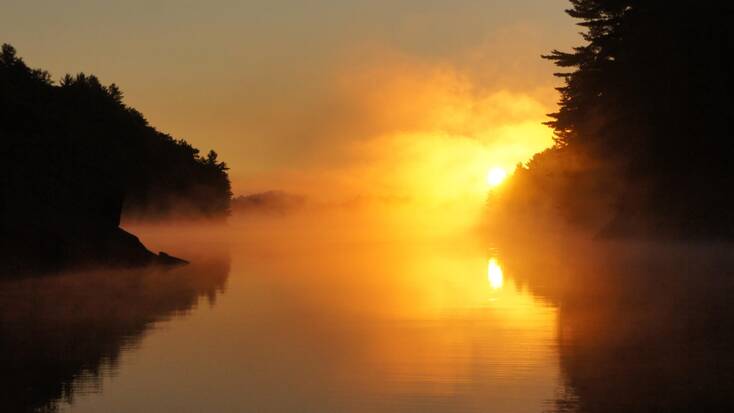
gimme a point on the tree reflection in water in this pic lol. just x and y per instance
(642, 328)
(60, 334)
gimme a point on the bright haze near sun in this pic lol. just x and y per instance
(375, 100)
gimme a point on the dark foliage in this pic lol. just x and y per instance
(72, 156)
(647, 107)
(84, 128)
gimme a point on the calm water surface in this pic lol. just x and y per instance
(284, 318)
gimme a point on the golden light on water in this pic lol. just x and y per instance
(494, 274)
(496, 176)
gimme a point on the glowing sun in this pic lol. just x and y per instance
(496, 176)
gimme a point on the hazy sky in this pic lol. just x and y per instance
(293, 94)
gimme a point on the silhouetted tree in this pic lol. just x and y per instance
(646, 108)
(73, 156)
(159, 172)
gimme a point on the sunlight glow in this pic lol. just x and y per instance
(496, 176)
(494, 274)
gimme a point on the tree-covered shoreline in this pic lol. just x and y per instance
(644, 127)
(161, 175)
(74, 157)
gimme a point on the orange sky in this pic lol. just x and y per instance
(334, 99)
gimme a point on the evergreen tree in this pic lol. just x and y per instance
(73, 156)
(646, 108)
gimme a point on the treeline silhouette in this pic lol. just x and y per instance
(73, 156)
(85, 125)
(268, 202)
(645, 126)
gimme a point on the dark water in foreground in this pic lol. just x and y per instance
(289, 320)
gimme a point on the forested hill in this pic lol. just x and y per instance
(645, 128)
(72, 156)
(88, 123)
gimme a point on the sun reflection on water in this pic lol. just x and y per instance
(494, 274)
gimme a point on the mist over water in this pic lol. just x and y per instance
(365, 309)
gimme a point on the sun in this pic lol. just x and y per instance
(496, 176)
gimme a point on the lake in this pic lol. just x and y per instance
(279, 314)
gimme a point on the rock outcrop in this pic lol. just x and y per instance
(66, 160)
